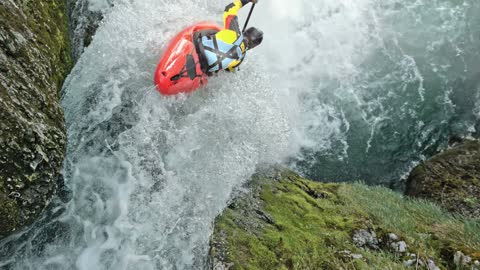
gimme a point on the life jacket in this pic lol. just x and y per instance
(219, 54)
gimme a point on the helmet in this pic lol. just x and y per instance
(253, 36)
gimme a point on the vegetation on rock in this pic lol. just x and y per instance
(451, 178)
(34, 61)
(287, 222)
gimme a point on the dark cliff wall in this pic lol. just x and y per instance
(35, 58)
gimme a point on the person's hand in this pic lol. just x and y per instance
(254, 1)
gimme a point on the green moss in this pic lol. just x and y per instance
(472, 201)
(54, 37)
(35, 41)
(429, 229)
(10, 215)
(450, 178)
(49, 23)
(312, 223)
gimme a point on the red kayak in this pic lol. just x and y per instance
(179, 70)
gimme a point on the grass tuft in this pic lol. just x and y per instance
(310, 224)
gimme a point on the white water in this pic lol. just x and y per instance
(148, 174)
(165, 167)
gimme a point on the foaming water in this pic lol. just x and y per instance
(381, 84)
(180, 158)
(365, 88)
(148, 174)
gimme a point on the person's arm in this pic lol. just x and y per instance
(231, 22)
(230, 15)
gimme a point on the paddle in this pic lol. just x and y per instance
(248, 18)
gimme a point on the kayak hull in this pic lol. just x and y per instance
(174, 61)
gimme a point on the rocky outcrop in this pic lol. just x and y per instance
(84, 22)
(34, 61)
(451, 178)
(287, 222)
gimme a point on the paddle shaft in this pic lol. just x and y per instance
(248, 18)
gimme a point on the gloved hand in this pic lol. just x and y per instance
(254, 1)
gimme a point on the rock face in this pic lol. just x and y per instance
(451, 178)
(287, 222)
(84, 22)
(34, 61)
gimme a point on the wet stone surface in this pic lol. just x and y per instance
(34, 61)
(451, 179)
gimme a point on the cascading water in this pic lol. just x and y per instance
(346, 90)
(149, 174)
(382, 84)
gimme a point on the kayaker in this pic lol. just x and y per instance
(226, 49)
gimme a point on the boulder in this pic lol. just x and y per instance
(34, 61)
(84, 22)
(451, 179)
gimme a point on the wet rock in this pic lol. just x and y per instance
(222, 266)
(399, 247)
(451, 178)
(392, 237)
(431, 265)
(366, 239)
(348, 254)
(356, 256)
(461, 259)
(410, 262)
(34, 60)
(84, 22)
(265, 216)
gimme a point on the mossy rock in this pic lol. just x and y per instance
(84, 23)
(34, 61)
(288, 222)
(10, 215)
(451, 178)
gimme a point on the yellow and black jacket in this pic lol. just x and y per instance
(226, 49)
